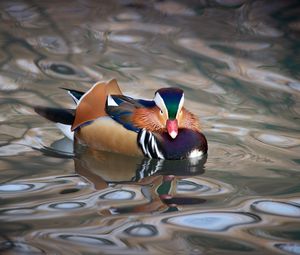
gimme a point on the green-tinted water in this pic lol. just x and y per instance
(238, 63)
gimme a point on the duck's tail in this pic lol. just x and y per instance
(63, 118)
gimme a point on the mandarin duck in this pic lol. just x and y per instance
(107, 120)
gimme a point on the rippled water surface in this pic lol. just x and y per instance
(239, 64)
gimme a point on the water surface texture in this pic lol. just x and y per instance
(239, 64)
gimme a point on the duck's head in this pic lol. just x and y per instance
(170, 102)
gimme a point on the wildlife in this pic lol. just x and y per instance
(105, 119)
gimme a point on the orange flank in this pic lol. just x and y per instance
(99, 136)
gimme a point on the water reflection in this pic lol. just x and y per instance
(15, 187)
(292, 248)
(62, 70)
(142, 230)
(19, 248)
(213, 221)
(87, 240)
(113, 167)
(160, 179)
(277, 208)
(67, 205)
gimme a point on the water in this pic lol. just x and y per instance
(238, 62)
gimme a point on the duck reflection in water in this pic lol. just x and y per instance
(158, 178)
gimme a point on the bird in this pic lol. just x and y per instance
(107, 120)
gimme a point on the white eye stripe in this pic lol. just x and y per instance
(160, 103)
(180, 105)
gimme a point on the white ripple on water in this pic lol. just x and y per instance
(142, 230)
(233, 130)
(76, 239)
(40, 188)
(86, 240)
(15, 187)
(53, 44)
(67, 205)
(191, 79)
(200, 186)
(62, 70)
(20, 248)
(277, 208)
(129, 15)
(9, 189)
(28, 65)
(118, 195)
(23, 14)
(293, 248)
(19, 212)
(239, 68)
(212, 221)
(133, 26)
(174, 8)
(187, 186)
(125, 38)
(277, 140)
(13, 149)
(38, 138)
(57, 209)
(7, 83)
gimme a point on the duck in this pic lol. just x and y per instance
(107, 120)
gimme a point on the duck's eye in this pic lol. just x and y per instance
(161, 112)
